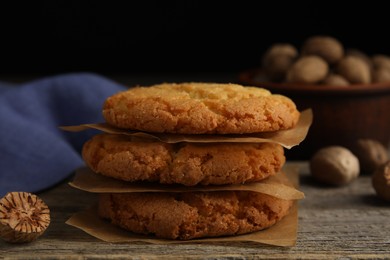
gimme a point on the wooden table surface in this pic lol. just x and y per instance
(345, 222)
(334, 223)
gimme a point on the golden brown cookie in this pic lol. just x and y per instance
(192, 215)
(200, 108)
(190, 164)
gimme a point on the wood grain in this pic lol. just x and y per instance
(345, 222)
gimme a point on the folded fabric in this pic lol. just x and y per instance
(34, 153)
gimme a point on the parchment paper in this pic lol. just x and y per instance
(278, 185)
(283, 233)
(286, 138)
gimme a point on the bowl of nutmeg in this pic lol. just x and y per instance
(348, 90)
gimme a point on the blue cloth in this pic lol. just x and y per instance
(34, 153)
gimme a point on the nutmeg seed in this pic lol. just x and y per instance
(328, 48)
(23, 217)
(371, 154)
(308, 69)
(334, 165)
(381, 181)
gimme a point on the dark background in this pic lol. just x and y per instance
(129, 37)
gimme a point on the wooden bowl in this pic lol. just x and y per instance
(341, 115)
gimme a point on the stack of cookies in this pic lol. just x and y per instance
(192, 109)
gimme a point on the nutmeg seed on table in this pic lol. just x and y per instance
(23, 217)
(371, 154)
(334, 165)
(381, 181)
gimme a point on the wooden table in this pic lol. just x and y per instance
(345, 222)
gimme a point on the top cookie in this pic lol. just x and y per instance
(200, 108)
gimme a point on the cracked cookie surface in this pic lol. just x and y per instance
(189, 164)
(190, 215)
(200, 108)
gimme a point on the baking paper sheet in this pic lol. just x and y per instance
(85, 179)
(283, 233)
(287, 138)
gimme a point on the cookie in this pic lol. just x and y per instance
(190, 215)
(119, 157)
(200, 108)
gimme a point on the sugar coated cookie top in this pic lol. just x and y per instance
(200, 108)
